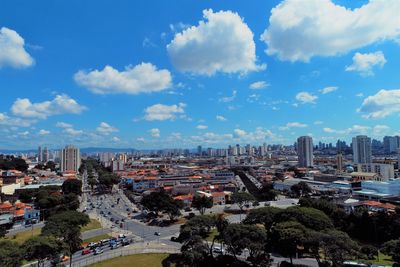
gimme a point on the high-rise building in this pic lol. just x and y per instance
(45, 155)
(70, 159)
(305, 151)
(362, 149)
(391, 143)
(339, 162)
(40, 154)
(199, 150)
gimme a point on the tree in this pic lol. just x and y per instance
(160, 201)
(72, 186)
(173, 208)
(267, 192)
(242, 199)
(392, 248)
(309, 217)
(241, 236)
(264, 215)
(300, 189)
(66, 227)
(10, 254)
(92, 182)
(338, 247)
(41, 248)
(287, 236)
(3, 231)
(201, 203)
(194, 251)
(369, 251)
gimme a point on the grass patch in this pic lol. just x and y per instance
(21, 237)
(383, 260)
(139, 260)
(93, 224)
(96, 238)
(214, 232)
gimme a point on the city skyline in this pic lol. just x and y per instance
(132, 81)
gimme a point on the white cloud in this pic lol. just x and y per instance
(69, 129)
(12, 51)
(115, 139)
(259, 85)
(106, 129)
(44, 132)
(201, 127)
(227, 99)
(364, 63)
(162, 112)
(14, 121)
(61, 104)
(239, 133)
(353, 130)
(380, 130)
(290, 125)
(299, 30)
(142, 78)
(328, 90)
(318, 122)
(360, 95)
(155, 132)
(306, 97)
(380, 105)
(221, 43)
(220, 118)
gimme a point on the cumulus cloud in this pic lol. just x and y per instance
(364, 63)
(353, 130)
(162, 112)
(222, 42)
(14, 121)
(290, 125)
(227, 99)
(142, 78)
(155, 132)
(61, 104)
(44, 132)
(259, 85)
(305, 97)
(201, 127)
(300, 30)
(380, 105)
(69, 129)
(220, 118)
(239, 133)
(115, 139)
(12, 51)
(106, 129)
(328, 90)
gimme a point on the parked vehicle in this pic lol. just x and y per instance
(86, 251)
(98, 251)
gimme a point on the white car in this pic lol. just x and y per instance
(218, 250)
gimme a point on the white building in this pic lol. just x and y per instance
(385, 171)
(305, 151)
(70, 159)
(362, 149)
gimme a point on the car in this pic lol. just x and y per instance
(122, 220)
(157, 233)
(113, 226)
(101, 212)
(86, 251)
(188, 209)
(98, 251)
(112, 219)
(174, 239)
(121, 236)
(64, 258)
(218, 250)
(115, 245)
(109, 213)
(116, 221)
(127, 209)
(112, 206)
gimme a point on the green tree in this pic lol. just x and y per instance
(242, 199)
(264, 215)
(92, 182)
(267, 192)
(3, 231)
(160, 201)
(173, 208)
(10, 254)
(392, 248)
(369, 251)
(66, 227)
(194, 251)
(72, 186)
(287, 237)
(41, 248)
(309, 217)
(241, 236)
(300, 189)
(201, 203)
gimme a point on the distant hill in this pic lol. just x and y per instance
(87, 150)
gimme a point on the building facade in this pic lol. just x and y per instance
(362, 149)
(305, 151)
(70, 159)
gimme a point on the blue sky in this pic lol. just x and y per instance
(165, 74)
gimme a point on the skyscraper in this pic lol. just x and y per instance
(362, 149)
(305, 151)
(45, 154)
(339, 162)
(40, 154)
(70, 159)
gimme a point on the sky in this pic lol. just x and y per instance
(177, 74)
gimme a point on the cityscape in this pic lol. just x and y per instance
(198, 133)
